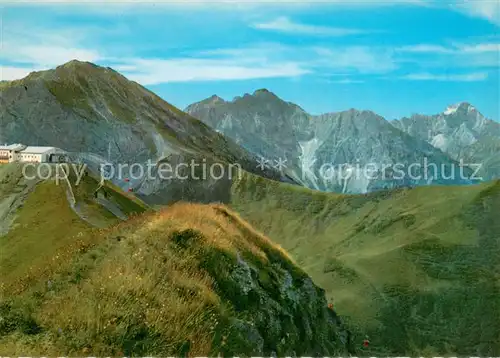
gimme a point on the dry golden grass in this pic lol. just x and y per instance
(47, 233)
(142, 293)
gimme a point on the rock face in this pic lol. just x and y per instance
(284, 313)
(102, 117)
(462, 132)
(276, 308)
(261, 122)
(351, 151)
(485, 152)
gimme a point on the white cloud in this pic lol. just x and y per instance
(468, 77)
(478, 55)
(259, 61)
(10, 73)
(362, 59)
(486, 9)
(321, 60)
(260, 52)
(42, 48)
(480, 48)
(155, 71)
(426, 48)
(49, 55)
(346, 81)
(211, 2)
(284, 24)
(26, 49)
(454, 49)
(143, 7)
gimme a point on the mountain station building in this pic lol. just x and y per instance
(30, 154)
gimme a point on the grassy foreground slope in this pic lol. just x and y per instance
(418, 270)
(44, 225)
(187, 280)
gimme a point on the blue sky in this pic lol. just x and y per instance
(393, 57)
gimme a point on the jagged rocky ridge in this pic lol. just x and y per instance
(462, 132)
(351, 151)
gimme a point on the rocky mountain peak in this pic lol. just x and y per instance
(462, 107)
(207, 102)
(261, 97)
(78, 65)
(262, 91)
(214, 99)
(265, 94)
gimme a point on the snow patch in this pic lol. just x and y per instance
(451, 110)
(357, 182)
(226, 124)
(163, 148)
(464, 135)
(308, 151)
(307, 158)
(440, 141)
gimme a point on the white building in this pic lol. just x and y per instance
(22, 153)
(10, 153)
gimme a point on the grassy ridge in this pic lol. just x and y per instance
(45, 225)
(190, 279)
(416, 269)
(169, 283)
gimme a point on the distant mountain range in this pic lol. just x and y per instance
(358, 151)
(105, 118)
(462, 132)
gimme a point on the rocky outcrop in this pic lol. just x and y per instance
(277, 309)
(279, 314)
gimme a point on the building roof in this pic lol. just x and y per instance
(29, 149)
(12, 147)
(39, 150)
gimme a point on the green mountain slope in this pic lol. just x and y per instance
(45, 218)
(418, 270)
(188, 280)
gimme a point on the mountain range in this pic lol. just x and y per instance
(100, 118)
(333, 151)
(263, 265)
(462, 132)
